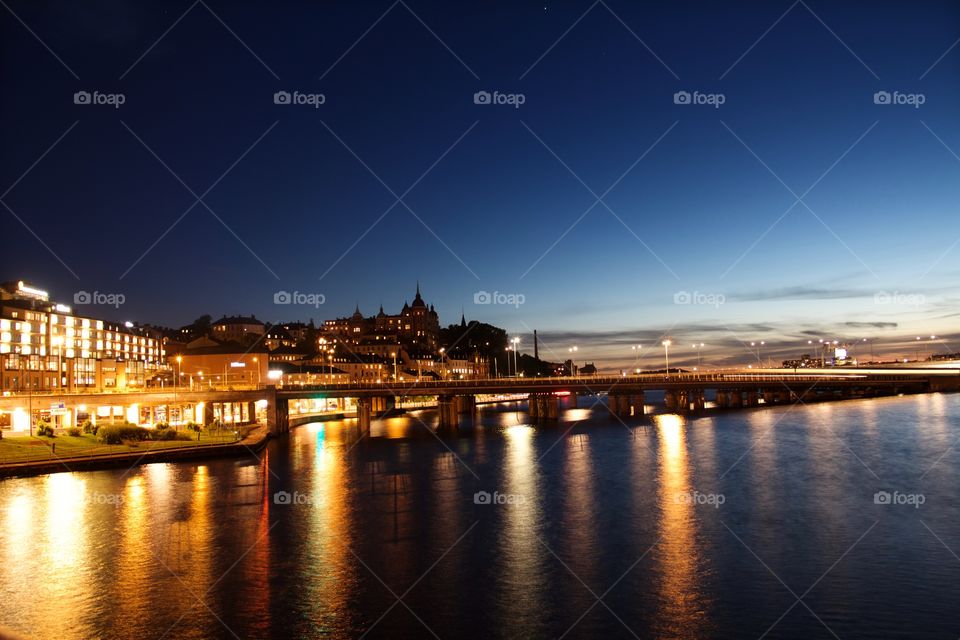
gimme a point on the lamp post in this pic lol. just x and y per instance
(516, 346)
(754, 344)
(573, 366)
(666, 354)
(636, 348)
(698, 347)
(442, 376)
(394, 354)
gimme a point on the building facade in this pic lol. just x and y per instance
(46, 346)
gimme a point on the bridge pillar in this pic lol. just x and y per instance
(735, 399)
(553, 406)
(466, 404)
(769, 397)
(572, 398)
(752, 398)
(364, 411)
(449, 415)
(783, 396)
(721, 399)
(683, 400)
(278, 413)
(670, 400)
(699, 402)
(533, 408)
(636, 403)
(208, 414)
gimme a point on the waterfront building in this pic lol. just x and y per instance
(207, 363)
(48, 346)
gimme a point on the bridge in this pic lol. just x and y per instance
(283, 406)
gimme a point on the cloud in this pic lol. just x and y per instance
(798, 293)
(871, 325)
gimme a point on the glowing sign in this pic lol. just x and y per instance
(32, 292)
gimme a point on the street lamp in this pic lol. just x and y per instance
(754, 344)
(394, 354)
(442, 376)
(516, 346)
(636, 348)
(698, 347)
(666, 354)
(573, 367)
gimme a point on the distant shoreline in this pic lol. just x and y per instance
(252, 444)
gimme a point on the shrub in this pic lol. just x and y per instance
(74, 432)
(164, 434)
(117, 434)
(161, 426)
(44, 429)
(88, 427)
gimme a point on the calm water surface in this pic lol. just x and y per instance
(733, 525)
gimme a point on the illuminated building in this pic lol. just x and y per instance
(45, 346)
(243, 329)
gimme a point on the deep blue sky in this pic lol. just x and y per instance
(705, 199)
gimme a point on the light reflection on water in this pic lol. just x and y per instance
(594, 507)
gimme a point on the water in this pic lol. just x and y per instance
(732, 525)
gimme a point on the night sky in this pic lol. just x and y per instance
(798, 208)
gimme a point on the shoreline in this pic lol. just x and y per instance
(252, 444)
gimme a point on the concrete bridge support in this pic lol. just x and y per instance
(784, 396)
(448, 410)
(683, 401)
(636, 403)
(670, 400)
(364, 413)
(734, 398)
(753, 399)
(722, 400)
(543, 406)
(466, 404)
(769, 396)
(278, 413)
(572, 399)
(698, 400)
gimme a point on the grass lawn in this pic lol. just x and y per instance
(25, 448)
